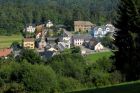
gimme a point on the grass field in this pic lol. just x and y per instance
(6, 41)
(94, 57)
(131, 87)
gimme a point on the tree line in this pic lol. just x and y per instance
(15, 14)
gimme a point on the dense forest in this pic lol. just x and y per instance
(15, 14)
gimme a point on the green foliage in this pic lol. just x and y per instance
(15, 14)
(127, 39)
(15, 88)
(38, 78)
(25, 76)
(30, 55)
(67, 84)
(68, 65)
(94, 57)
(107, 41)
(98, 73)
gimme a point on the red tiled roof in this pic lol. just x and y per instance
(5, 52)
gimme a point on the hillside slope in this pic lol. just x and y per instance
(132, 87)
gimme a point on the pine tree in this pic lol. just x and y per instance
(127, 40)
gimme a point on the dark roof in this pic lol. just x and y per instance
(82, 36)
(93, 41)
(47, 54)
(52, 38)
(67, 33)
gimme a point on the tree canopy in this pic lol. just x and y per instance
(15, 14)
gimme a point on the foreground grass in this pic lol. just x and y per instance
(94, 57)
(131, 87)
(6, 41)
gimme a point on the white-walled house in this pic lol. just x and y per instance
(98, 47)
(49, 24)
(78, 40)
(95, 45)
(30, 29)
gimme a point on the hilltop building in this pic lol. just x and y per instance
(83, 25)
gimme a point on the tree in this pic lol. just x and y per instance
(15, 45)
(69, 65)
(127, 60)
(30, 55)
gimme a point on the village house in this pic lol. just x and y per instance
(29, 43)
(49, 24)
(30, 29)
(79, 40)
(101, 31)
(62, 46)
(83, 25)
(65, 40)
(5, 52)
(95, 45)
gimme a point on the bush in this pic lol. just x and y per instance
(68, 84)
(36, 78)
(68, 65)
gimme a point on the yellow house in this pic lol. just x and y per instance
(83, 25)
(29, 43)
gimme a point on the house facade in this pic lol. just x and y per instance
(83, 26)
(30, 29)
(98, 47)
(78, 40)
(29, 43)
(49, 24)
(95, 45)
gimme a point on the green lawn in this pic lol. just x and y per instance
(6, 41)
(131, 87)
(96, 56)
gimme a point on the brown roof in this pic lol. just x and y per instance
(5, 52)
(83, 23)
(93, 42)
(39, 28)
(29, 40)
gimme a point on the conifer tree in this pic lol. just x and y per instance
(127, 39)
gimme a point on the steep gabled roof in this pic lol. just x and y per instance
(5, 52)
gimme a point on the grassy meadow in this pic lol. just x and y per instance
(94, 57)
(6, 41)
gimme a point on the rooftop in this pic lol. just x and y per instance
(82, 36)
(5, 52)
(83, 23)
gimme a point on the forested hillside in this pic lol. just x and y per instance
(15, 14)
